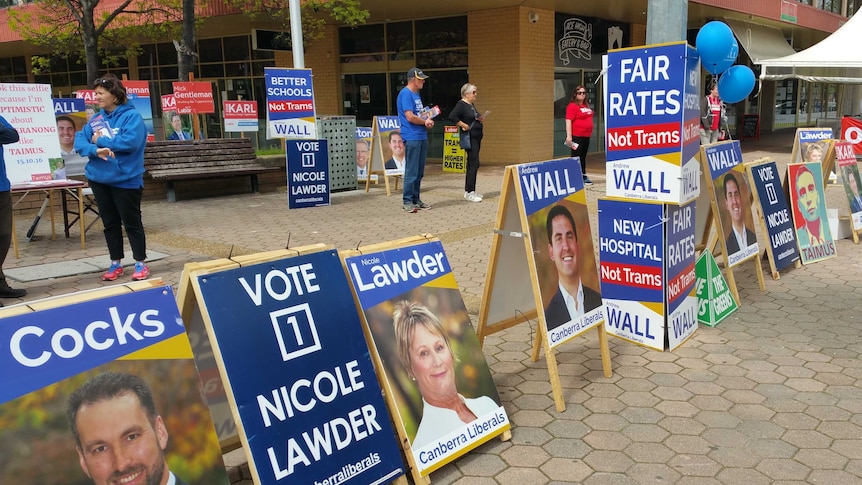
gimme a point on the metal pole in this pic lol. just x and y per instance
(296, 35)
(667, 21)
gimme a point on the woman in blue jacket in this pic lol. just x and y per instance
(114, 141)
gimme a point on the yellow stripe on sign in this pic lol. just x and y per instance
(445, 281)
(177, 347)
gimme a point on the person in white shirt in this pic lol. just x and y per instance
(426, 354)
(572, 299)
(396, 163)
(740, 237)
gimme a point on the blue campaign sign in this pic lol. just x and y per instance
(301, 377)
(681, 299)
(776, 213)
(722, 157)
(387, 123)
(630, 250)
(290, 103)
(64, 106)
(307, 174)
(691, 110)
(40, 348)
(543, 183)
(647, 90)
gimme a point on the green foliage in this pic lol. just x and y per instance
(314, 14)
(268, 151)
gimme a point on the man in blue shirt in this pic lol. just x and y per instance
(414, 132)
(7, 135)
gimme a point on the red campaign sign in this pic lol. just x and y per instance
(291, 106)
(851, 130)
(88, 95)
(240, 110)
(196, 96)
(140, 89)
(169, 103)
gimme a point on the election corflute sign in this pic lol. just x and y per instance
(290, 103)
(118, 359)
(652, 108)
(297, 371)
(442, 395)
(771, 203)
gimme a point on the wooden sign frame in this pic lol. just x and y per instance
(389, 398)
(842, 166)
(508, 301)
(827, 145)
(377, 149)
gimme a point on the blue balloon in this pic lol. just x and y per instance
(735, 84)
(716, 46)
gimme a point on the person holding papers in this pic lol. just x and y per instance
(114, 141)
(425, 352)
(465, 115)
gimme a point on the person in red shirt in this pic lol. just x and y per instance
(579, 127)
(712, 115)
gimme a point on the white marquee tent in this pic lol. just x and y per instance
(835, 59)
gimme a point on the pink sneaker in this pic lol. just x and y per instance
(142, 271)
(114, 272)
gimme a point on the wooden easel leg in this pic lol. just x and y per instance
(759, 270)
(554, 374)
(731, 281)
(606, 353)
(537, 345)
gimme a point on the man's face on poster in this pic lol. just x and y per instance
(563, 248)
(119, 443)
(66, 132)
(807, 195)
(361, 153)
(396, 143)
(851, 182)
(733, 202)
(177, 123)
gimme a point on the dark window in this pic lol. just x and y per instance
(236, 48)
(210, 50)
(211, 70)
(364, 39)
(167, 53)
(441, 33)
(399, 40)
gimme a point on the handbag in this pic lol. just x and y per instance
(465, 140)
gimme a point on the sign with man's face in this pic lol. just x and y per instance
(813, 234)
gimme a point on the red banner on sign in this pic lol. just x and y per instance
(851, 130)
(196, 96)
(169, 103)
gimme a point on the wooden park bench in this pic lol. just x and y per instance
(202, 159)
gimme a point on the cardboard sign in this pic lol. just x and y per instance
(291, 351)
(731, 201)
(774, 211)
(631, 251)
(809, 144)
(195, 96)
(421, 330)
(113, 337)
(388, 147)
(28, 108)
(808, 206)
(307, 173)
(454, 157)
(138, 93)
(849, 177)
(240, 116)
(851, 130)
(680, 297)
(652, 108)
(169, 103)
(555, 206)
(290, 103)
(363, 153)
(715, 300)
(70, 115)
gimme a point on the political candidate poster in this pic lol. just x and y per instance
(680, 296)
(810, 145)
(387, 147)
(308, 182)
(138, 93)
(556, 208)
(652, 108)
(851, 130)
(714, 298)
(290, 103)
(28, 108)
(808, 206)
(433, 367)
(240, 116)
(196, 97)
(631, 251)
(121, 366)
(772, 203)
(454, 157)
(848, 171)
(731, 201)
(363, 154)
(70, 114)
(292, 355)
(176, 121)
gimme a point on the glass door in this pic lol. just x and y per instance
(365, 96)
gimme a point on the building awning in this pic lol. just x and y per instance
(759, 41)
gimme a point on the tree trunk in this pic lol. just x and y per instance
(187, 53)
(91, 46)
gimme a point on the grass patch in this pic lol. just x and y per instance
(269, 151)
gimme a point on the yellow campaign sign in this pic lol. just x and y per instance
(454, 157)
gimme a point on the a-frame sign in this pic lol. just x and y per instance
(542, 247)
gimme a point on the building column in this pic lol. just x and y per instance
(666, 21)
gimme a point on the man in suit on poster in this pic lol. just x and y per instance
(119, 435)
(740, 237)
(572, 299)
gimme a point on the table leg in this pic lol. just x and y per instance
(81, 216)
(14, 236)
(51, 198)
(65, 206)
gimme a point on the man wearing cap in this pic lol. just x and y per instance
(414, 132)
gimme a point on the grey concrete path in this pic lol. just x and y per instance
(773, 395)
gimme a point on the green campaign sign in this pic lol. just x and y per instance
(715, 301)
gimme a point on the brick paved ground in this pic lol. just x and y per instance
(772, 395)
